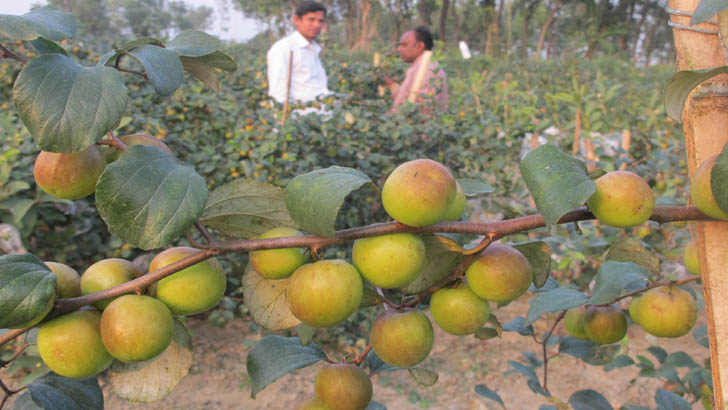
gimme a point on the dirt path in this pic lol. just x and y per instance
(218, 379)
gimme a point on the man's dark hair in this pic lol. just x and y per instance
(307, 6)
(423, 34)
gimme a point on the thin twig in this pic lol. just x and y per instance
(654, 285)
(362, 355)
(194, 243)
(5, 53)
(139, 73)
(17, 353)
(543, 345)
(204, 232)
(113, 141)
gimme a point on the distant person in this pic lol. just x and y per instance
(308, 78)
(411, 48)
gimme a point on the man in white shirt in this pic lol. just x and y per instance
(308, 78)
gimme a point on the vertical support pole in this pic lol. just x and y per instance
(705, 119)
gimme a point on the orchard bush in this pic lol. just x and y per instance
(237, 171)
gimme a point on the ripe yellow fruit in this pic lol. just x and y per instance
(312, 403)
(278, 263)
(389, 261)
(605, 324)
(458, 205)
(106, 274)
(667, 311)
(402, 339)
(622, 199)
(136, 328)
(343, 387)
(192, 290)
(459, 311)
(324, 293)
(500, 274)
(71, 346)
(574, 322)
(690, 258)
(634, 309)
(68, 282)
(702, 194)
(69, 176)
(419, 192)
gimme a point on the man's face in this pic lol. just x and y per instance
(310, 24)
(409, 48)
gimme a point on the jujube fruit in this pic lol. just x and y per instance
(69, 176)
(622, 199)
(605, 324)
(68, 282)
(419, 192)
(106, 274)
(459, 311)
(667, 311)
(343, 387)
(574, 322)
(324, 293)
(690, 258)
(701, 193)
(194, 289)
(458, 205)
(402, 339)
(389, 261)
(278, 263)
(71, 345)
(500, 274)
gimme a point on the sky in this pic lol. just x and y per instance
(233, 27)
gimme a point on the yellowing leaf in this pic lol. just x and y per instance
(266, 300)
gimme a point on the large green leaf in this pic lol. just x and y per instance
(707, 9)
(153, 379)
(273, 356)
(719, 179)
(193, 43)
(613, 278)
(484, 391)
(45, 46)
(588, 351)
(440, 261)
(667, 400)
(219, 59)
(589, 400)
(539, 257)
(54, 392)
(474, 187)
(25, 402)
(314, 199)
(558, 183)
(553, 301)
(26, 288)
(45, 22)
(148, 199)
(246, 209)
(266, 299)
(68, 107)
(163, 67)
(680, 86)
(202, 71)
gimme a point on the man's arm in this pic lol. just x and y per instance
(278, 57)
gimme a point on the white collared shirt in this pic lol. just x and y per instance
(308, 79)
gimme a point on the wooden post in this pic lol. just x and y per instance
(288, 89)
(419, 76)
(705, 119)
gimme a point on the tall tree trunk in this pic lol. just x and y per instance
(545, 27)
(648, 46)
(705, 119)
(455, 22)
(443, 20)
(636, 38)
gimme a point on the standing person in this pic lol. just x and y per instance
(411, 48)
(308, 78)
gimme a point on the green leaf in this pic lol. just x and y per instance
(424, 377)
(45, 46)
(273, 356)
(246, 209)
(553, 301)
(489, 394)
(193, 43)
(266, 299)
(53, 392)
(557, 182)
(375, 405)
(375, 364)
(25, 402)
(305, 334)
(45, 22)
(517, 325)
(588, 351)
(539, 256)
(680, 86)
(707, 9)
(474, 187)
(314, 199)
(65, 106)
(719, 179)
(619, 362)
(589, 400)
(523, 369)
(486, 333)
(163, 67)
(659, 353)
(680, 359)
(700, 333)
(26, 288)
(667, 400)
(141, 41)
(632, 250)
(613, 277)
(219, 59)
(439, 262)
(202, 71)
(369, 297)
(147, 199)
(153, 379)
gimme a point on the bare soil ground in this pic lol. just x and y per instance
(218, 379)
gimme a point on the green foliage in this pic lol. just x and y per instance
(26, 288)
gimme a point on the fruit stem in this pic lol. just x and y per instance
(113, 142)
(5, 53)
(204, 232)
(362, 355)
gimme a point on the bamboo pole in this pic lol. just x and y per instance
(705, 119)
(288, 89)
(420, 76)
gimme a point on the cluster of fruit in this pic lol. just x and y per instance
(129, 328)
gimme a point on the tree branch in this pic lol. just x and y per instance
(654, 285)
(5, 53)
(543, 346)
(113, 142)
